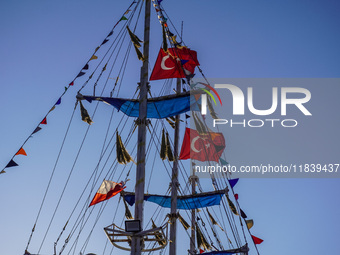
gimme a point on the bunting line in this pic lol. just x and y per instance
(21, 151)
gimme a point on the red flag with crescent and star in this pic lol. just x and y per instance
(174, 63)
(202, 147)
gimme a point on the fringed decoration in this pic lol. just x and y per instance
(166, 151)
(158, 235)
(231, 205)
(128, 214)
(184, 223)
(201, 241)
(169, 153)
(123, 157)
(84, 114)
(163, 147)
(171, 123)
(213, 221)
(136, 43)
(211, 110)
(199, 124)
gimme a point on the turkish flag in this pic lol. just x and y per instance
(175, 63)
(202, 147)
(107, 190)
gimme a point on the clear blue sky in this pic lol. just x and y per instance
(44, 44)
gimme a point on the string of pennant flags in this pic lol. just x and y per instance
(82, 72)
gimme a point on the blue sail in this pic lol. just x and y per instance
(183, 202)
(157, 108)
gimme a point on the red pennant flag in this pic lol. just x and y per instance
(44, 121)
(201, 251)
(72, 83)
(256, 240)
(107, 190)
(236, 196)
(175, 63)
(206, 147)
(21, 152)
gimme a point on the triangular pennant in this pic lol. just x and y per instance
(96, 49)
(233, 182)
(66, 88)
(93, 57)
(244, 216)
(53, 107)
(223, 162)
(127, 12)
(21, 152)
(256, 240)
(201, 251)
(72, 83)
(250, 223)
(80, 74)
(2, 172)
(236, 196)
(58, 102)
(123, 18)
(105, 41)
(44, 121)
(36, 130)
(11, 164)
(86, 67)
(110, 34)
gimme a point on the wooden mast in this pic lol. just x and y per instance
(193, 179)
(137, 245)
(174, 183)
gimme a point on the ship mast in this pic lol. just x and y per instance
(174, 183)
(193, 179)
(137, 245)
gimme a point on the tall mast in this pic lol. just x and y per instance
(174, 183)
(193, 179)
(136, 245)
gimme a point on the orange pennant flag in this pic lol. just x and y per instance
(21, 152)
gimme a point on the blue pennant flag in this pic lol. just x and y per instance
(233, 182)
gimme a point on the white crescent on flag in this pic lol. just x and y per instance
(193, 144)
(163, 66)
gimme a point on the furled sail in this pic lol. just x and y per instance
(158, 108)
(183, 202)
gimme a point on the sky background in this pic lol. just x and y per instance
(44, 44)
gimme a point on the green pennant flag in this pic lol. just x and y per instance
(123, 18)
(223, 162)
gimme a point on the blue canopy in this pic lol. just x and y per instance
(157, 108)
(183, 202)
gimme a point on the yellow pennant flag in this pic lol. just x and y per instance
(93, 57)
(250, 223)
